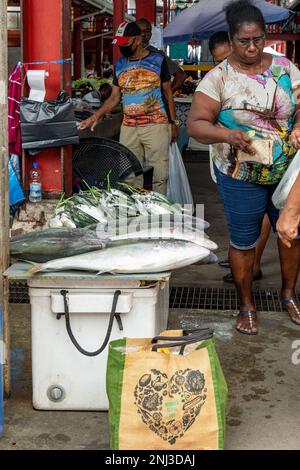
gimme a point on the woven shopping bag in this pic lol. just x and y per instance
(166, 393)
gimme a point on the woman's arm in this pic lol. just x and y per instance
(288, 222)
(201, 124)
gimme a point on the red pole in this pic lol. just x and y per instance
(43, 32)
(119, 15)
(146, 9)
(165, 13)
(77, 44)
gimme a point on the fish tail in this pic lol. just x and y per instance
(35, 269)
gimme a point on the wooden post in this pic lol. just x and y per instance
(4, 194)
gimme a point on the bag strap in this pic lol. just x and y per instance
(113, 315)
(187, 334)
(195, 337)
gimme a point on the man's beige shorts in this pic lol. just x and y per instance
(150, 144)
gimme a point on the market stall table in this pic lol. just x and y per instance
(109, 128)
(183, 106)
(65, 378)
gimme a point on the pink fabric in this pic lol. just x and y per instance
(14, 97)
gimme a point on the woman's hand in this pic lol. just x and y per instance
(287, 227)
(295, 138)
(240, 140)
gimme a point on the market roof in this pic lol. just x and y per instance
(108, 6)
(294, 4)
(207, 17)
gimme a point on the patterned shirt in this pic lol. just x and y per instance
(263, 103)
(140, 83)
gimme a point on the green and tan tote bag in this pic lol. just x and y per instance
(166, 393)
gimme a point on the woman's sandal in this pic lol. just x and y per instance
(251, 314)
(294, 306)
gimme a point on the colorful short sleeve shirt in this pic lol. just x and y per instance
(263, 103)
(140, 83)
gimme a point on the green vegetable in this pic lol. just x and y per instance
(93, 83)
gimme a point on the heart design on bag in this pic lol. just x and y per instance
(169, 406)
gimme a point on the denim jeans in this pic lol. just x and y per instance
(245, 205)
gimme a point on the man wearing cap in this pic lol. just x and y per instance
(142, 80)
(175, 71)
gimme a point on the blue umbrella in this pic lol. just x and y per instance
(207, 17)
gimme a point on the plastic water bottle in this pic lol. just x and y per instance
(35, 194)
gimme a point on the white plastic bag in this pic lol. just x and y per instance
(283, 189)
(178, 188)
(211, 165)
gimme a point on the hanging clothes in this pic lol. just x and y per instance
(14, 98)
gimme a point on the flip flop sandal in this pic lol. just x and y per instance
(292, 302)
(250, 314)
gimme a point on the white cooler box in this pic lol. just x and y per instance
(63, 377)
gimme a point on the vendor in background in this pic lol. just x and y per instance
(220, 48)
(174, 69)
(100, 96)
(141, 79)
(289, 220)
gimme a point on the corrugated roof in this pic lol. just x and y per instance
(108, 5)
(294, 4)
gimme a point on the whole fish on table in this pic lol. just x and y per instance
(167, 233)
(45, 245)
(141, 257)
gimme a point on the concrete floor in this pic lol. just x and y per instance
(263, 409)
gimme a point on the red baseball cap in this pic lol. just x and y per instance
(125, 32)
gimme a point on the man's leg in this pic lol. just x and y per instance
(156, 140)
(129, 137)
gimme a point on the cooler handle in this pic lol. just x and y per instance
(113, 315)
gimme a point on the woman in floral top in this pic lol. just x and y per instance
(246, 107)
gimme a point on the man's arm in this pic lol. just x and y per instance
(106, 108)
(167, 91)
(179, 75)
(179, 79)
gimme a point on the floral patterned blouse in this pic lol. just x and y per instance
(263, 103)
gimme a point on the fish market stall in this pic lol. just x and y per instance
(183, 106)
(101, 271)
(66, 372)
(183, 101)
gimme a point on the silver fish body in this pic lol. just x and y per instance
(142, 257)
(168, 233)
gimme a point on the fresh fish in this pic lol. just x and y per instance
(141, 257)
(45, 245)
(167, 233)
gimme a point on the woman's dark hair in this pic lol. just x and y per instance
(218, 39)
(243, 11)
